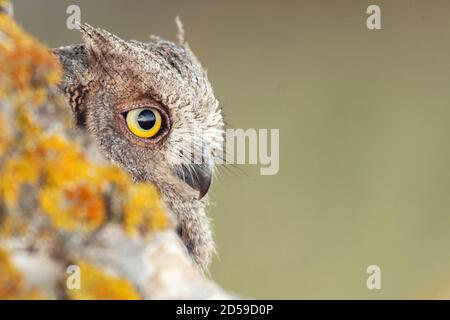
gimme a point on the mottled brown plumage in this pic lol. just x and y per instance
(107, 76)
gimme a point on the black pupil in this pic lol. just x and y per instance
(146, 119)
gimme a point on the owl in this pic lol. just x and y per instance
(151, 110)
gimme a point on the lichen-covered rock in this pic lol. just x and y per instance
(63, 205)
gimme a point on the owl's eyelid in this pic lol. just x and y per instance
(125, 113)
(129, 107)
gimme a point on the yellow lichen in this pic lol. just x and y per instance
(11, 281)
(70, 187)
(143, 211)
(44, 172)
(97, 284)
(4, 136)
(17, 172)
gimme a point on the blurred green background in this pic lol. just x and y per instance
(364, 122)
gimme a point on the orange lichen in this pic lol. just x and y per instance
(37, 67)
(80, 208)
(97, 284)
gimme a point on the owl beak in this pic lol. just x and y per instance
(198, 176)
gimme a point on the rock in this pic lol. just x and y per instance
(72, 225)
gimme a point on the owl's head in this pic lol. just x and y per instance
(150, 107)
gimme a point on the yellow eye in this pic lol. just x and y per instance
(144, 122)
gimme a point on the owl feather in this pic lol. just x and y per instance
(106, 78)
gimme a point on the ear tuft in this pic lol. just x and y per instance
(101, 44)
(180, 34)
